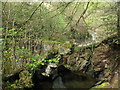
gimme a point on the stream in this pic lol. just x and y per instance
(62, 77)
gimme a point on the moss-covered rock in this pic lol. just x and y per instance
(101, 86)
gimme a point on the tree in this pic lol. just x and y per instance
(118, 19)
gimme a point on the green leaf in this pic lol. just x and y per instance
(1, 28)
(5, 51)
(22, 47)
(34, 60)
(12, 29)
(42, 64)
(34, 65)
(2, 39)
(43, 59)
(17, 60)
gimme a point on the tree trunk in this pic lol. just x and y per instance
(118, 20)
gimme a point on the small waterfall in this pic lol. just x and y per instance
(94, 36)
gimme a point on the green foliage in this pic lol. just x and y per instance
(1, 28)
(24, 81)
(22, 55)
(43, 24)
(7, 49)
(40, 61)
(35, 59)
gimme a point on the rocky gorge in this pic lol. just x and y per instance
(94, 65)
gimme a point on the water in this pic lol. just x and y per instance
(68, 79)
(73, 82)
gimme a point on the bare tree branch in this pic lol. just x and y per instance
(33, 13)
(82, 13)
(23, 24)
(62, 10)
(73, 12)
(55, 9)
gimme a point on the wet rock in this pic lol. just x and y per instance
(50, 67)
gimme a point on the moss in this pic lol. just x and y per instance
(101, 86)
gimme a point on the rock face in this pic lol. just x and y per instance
(101, 62)
(79, 60)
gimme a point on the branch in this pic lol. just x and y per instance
(61, 11)
(32, 13)
(21, 25)
(55, 9)
(83, 13)
(73, 13)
